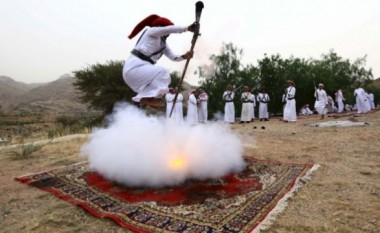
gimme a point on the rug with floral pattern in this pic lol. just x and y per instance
(242, 202)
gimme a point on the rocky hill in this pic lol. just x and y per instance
(55, 97)
(10, 89)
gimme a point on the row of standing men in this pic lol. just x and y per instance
(196, 106)
(249, 103)
(197, 110)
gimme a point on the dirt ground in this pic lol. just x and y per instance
(342, 196)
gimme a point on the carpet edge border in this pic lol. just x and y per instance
(272, 216)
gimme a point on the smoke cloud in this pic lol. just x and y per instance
(149, 151)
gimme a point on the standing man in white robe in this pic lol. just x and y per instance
(290, 112)
(361, 105)
(229, 106)
(169, 97)
(252, 103)
(263, 99)
(245, 109)
(192, 109)
(202, 106)
(371, 99)
(140, 73)
(339, 100)
(321, 101)
(368, 103)
(178, 107)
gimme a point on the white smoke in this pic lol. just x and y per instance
(139, 150)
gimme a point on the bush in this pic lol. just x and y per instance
(27, 150)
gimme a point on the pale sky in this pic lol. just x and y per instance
(44, 39)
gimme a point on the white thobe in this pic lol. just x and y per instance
(368, 103)
(245, 110)
(321, 101)
(169, 97)
(360, 100)
(339, 100)
(178, 109)
(144, 78)
(252, 104)
(290, 113)
(229, 106)
(371, 99)
(192, 110)
(202, 107)
(263, 99)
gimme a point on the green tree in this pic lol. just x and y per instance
(273, 72)
(331, 70)
(338, 73)
(225, 69)
(102, 85)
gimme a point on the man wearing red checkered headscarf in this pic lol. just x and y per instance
(140, 73)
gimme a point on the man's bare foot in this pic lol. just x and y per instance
(152, 102)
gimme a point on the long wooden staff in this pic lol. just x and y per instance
(198, 11)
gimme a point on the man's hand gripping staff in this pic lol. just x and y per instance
(195, 27)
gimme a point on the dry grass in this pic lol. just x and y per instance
(343, 195)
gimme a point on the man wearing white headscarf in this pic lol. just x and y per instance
(229, 106)
(246, 116)
(192, 109)
(178, 107)
(202, 106)
(361, 100)
(263, 99)
(321, 101)
(290, 112)
(339, 100)
(169, 97)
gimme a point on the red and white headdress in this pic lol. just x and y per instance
(151, 21)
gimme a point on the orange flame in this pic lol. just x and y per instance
(177, 162)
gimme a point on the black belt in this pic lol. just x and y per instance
(246, 101)
(142, 56)
(227, 101)
(290, 98)
(264, 102)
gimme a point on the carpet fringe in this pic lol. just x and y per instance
(281, 205)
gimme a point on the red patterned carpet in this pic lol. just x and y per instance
(240, 202)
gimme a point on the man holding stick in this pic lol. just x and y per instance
(229, 106)
(198, 11)
(290, 113)
(140, 73)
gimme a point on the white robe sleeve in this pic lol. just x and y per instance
(172, 56)
(163, 31)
